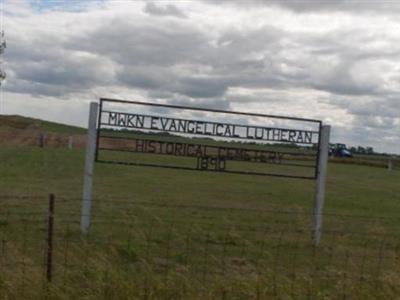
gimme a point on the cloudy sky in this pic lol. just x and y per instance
(338, 61)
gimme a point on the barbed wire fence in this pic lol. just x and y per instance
(154, 250)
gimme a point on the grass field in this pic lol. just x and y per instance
(173, 234)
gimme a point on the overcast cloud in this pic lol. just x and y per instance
(338, 61)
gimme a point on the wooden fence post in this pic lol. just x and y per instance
(70, 142)
(42, 139)
(50, 229)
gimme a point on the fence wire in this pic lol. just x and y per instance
(157, 250)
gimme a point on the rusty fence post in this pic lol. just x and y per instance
(50, 227)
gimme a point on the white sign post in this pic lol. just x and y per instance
(321, 183)
(89, 165)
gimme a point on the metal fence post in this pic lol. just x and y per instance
(89, 165)
(50, 238)
(390, 164)
(320, 183)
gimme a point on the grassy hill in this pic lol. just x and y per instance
(15, 122)
(22, 131)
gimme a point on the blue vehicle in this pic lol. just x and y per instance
(339, 150)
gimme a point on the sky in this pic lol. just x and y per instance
(337, 61)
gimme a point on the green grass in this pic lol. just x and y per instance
(31, 170)
(172, 234)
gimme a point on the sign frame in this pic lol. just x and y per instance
(317, 123)
(92, 153)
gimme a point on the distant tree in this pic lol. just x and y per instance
(369, 150)
(361, 150)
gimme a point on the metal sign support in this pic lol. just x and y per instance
(89, 166)
(321, 183)
(207, 161)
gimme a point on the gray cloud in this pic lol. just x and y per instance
(130, 42)
(366, 107)
(215, 103)
(197, 87)
(167, 10)
(346, 74)
(337, 5)
(40, 65)
(307, 6)
(150, 77)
